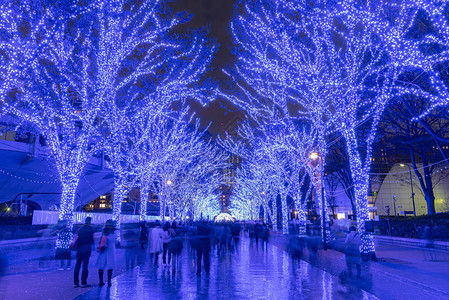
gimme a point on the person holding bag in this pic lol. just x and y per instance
(106, 249)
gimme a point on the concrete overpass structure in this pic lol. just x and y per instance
(27, 174)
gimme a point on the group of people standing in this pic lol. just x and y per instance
(153, 238)
(85, 246)
(161, 240)
(258, 232)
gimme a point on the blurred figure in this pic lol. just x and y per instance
(143, 238)
(312, 247)
(428, 237)
(3, 264)
(169, 233)
(228, 235)
(257, 231)
(235, 231)
(130, 243)
(174, 248)
(156, 245)
(251, 229)
(220, 237)
(106, 249)
(63, 255)
(352, 251)
(203, 247)
(294, 247)
(85, 245)
(264, 232)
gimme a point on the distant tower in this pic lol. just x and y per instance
(229, 129)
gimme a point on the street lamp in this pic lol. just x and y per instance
(411, 187)
(314, 156)
(169, 183)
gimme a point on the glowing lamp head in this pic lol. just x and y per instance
(314, 155)
(169, 182)
(402, 165)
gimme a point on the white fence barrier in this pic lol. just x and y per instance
(41, 217)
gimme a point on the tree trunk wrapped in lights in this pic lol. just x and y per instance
(80, 59)
(328, 61)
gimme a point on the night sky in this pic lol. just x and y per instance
(216, 16)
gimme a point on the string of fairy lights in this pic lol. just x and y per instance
(72, 105)
(287, 52)
(109, 81)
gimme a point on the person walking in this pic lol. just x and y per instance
(352, 251)
(203, 247)
(169, 233)
(130, 243)
(143, 238)
(174, 248)
(156, 245)
(264, 232)
(85, 244)
(428, 237)
(106, 249)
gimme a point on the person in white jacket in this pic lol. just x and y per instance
(156, 245)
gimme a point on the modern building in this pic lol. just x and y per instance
(229, 130)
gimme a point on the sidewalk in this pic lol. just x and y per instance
(39, 277)
(400, 273)
(248, 272)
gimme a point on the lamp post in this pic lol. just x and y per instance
(314, 156)
(411, 187)
(169, 183)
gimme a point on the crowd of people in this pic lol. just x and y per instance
(166, 240)
(202, 238)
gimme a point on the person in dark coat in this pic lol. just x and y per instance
(203, 247)
(174, 248)
(143, 238)
(85, 244)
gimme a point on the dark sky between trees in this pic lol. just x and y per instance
(215, 15)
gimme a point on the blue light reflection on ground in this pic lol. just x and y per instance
(249, 272)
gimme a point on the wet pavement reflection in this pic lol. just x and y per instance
(248, 272)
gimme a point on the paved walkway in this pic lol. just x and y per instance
(249, 273)
(33, 273)
(401, 272)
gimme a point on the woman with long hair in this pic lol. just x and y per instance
(106, 249)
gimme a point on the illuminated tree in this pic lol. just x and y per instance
(205, 202)
(52, 96)
(276, 78)
(416, 35)
(151, 70)
(361, 78)
(275, 154)
(198, 183)
(87, 59)
(324, 65)
(154, 140)
(248, 194)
